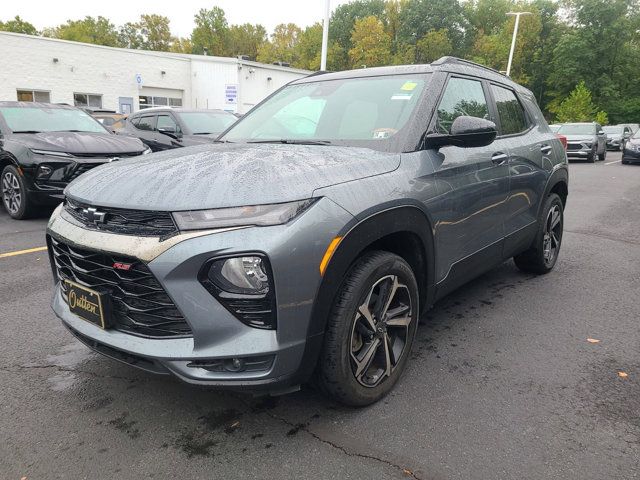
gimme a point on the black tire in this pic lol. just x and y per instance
(537, 259)
(603, 156)
(625, 162)
(9, 180)
(592, 157)
(348, 337)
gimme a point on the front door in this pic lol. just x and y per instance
(473, 185)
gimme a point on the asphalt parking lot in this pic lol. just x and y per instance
(503, 384)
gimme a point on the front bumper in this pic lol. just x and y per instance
(294, 250)
(580, 152)
(632, 156)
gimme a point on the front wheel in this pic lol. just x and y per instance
(14, 194)
(370, 330)
(603, 156)
(543, 254)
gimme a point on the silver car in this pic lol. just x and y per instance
(307, 243)
(585, 141)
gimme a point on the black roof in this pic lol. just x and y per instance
(444, 64)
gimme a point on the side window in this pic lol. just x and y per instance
(146, 123)
(167, 123)
(462, 96)
(512, 116)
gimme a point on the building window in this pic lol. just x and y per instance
(34, 96)
(147, 101)
(87, 100)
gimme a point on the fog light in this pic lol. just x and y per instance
(44, 171)
(234, 365)
(243, 275)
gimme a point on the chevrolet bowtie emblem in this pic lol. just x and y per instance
(93, 215)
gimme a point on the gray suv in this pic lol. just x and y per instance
(306, 244)
(585, 141)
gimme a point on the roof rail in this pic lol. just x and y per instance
(319, 72)
(458, 61)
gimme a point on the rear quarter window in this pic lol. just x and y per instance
(513, 118)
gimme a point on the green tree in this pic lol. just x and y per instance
(98, 30)
(181, 45)
(344, 17)
(245, 39)
(432, 46)
(309, 47)
(371, 44)
(152, 32)
(210, 34)
(17, 25)
(282, 47)
(577, 107)
(418, 17)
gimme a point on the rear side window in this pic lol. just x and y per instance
(512, 116)
(461, 97)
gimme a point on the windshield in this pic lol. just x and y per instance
(578, 129)
(202, 123)
(366, 111)
(613, 129)
(42, 119)
(555, 128)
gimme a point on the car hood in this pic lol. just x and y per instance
(225, 175)
(614, 136)
(80, 142)
(579, 138)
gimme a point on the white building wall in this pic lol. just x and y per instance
(28, 63)
(209, 79)
(257, 81)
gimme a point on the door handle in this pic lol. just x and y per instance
(499, 158)
(546, 149)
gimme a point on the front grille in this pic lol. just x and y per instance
(139, 304)
(124, 221)
(79, 170)
(107, 155)
(572, 147)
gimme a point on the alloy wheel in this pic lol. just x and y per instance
(380, 331)
(552, 235)
(11, 192)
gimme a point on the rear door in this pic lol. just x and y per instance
(530, 150)
(474, 184)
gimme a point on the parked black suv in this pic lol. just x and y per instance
(44, 146)
(313, 236)
(165, 128)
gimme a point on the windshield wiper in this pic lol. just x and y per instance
(204, 133)
(74, 131)
(294, 142)
(26, 131)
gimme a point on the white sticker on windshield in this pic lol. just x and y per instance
(401, 96)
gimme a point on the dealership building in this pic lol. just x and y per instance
(125, 80)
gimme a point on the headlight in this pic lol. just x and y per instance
(147, 151)
(255, 215)
(50, 153)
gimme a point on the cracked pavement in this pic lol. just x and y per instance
(502, 384)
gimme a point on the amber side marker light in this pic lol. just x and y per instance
(329, 253)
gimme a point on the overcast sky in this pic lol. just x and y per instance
(47, 13)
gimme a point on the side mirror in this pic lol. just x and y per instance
(170, 132)
(466, 132)
(600, 132)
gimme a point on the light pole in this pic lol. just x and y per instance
(325, 35)
(515, 34)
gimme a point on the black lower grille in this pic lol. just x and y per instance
(139, 304)
(79, 169)
(123, 221)
(574, 147)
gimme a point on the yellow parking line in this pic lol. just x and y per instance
(22, 252)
